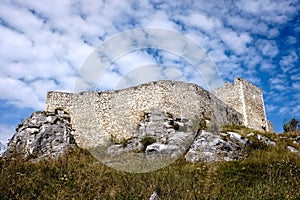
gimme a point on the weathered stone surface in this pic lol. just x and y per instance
(158, 150)
(247, 99)
(292, 149)
(265, 140)
(41, 135)
(98, 116)
(154, 196)
(238, 138)
(159, 135)
(209, 147)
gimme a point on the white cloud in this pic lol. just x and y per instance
(6, 132)
(271, 108)
(236, 41)
(15, 46)
(287, 62)
(268, 67)
(158, 19)
(44, 43)
(19, 93)
(296, 86)
(280, 84)
(295, 77)
(268, 47)
(218, 55)
(292, 40)
(202, 21)
(132, 60)
(268, 10)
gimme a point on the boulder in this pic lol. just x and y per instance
(209, 147)
(159, 151)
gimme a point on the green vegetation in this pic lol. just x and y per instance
(147, 140)
(243, 130)
(266, 173)
(270, 173)
(292, 125)
(282, 140)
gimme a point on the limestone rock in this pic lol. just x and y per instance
(209, 147)
(154, 196)
(158, 135)
(250, 134)
(265, 140)
(292, 149)
(238, 138)
(158, 150)
(41, 135)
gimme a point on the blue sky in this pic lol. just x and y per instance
(45, 43)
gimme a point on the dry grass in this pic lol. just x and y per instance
(267, 173)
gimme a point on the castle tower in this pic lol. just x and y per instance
(248, 100)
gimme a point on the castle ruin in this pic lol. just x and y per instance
(248, 100)
(98, 116)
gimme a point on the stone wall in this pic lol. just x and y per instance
(99, 116)
(247, 99)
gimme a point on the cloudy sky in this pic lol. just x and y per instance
(45, 44)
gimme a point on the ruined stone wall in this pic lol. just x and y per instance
(247, 99)
(98, 116)
(231, 95)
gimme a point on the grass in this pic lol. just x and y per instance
(267, 173)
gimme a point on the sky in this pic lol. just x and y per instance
(45, 46)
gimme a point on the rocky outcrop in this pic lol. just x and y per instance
(40, 136)
(158, 133)
(209, 147)
(159, 136)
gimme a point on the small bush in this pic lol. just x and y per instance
(292, 125)
(147, 140)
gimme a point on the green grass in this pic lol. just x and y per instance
(270, 173)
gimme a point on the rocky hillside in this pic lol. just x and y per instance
(158, 136)
(231, 163)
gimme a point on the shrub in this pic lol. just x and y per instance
(147, 140)
(291, 126)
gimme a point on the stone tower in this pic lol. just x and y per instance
(248, 100)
